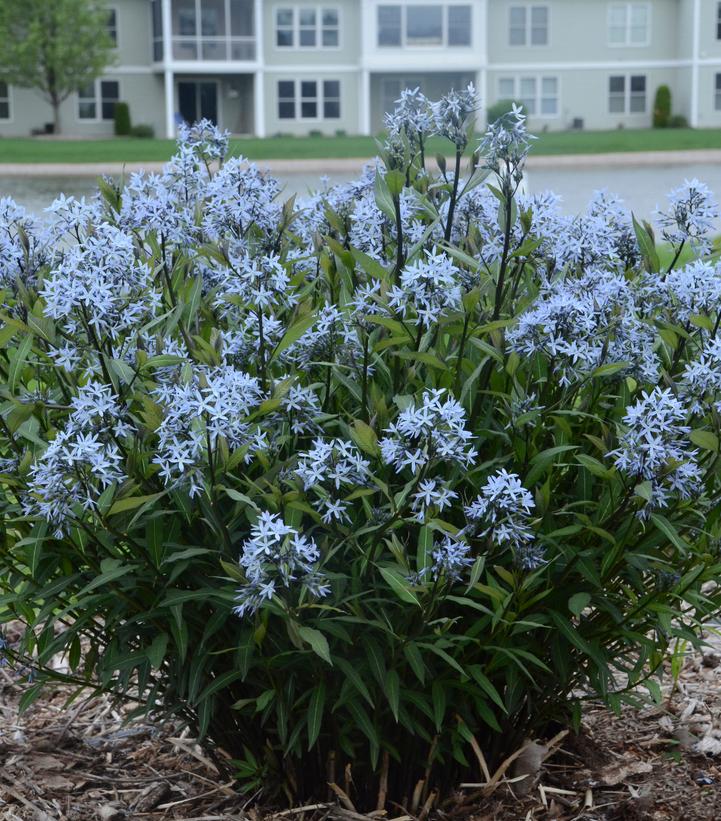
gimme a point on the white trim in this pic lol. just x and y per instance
(259, 104)
(695, 53)
(98, 100)
(259, 115)
(321, 68)
(529, 25)
(130, 70)
(11, 105)
(319, 8)
(364, 103)
(214, 67)
(598, 66)
(169, 93)
(298, 100)
(627, 6)
(169, 85)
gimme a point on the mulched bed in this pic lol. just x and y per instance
(83, 762)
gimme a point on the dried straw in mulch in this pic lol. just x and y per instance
(84, 761)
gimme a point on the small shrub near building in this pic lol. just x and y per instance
(123, 127)
(369, 481)
(662, 107)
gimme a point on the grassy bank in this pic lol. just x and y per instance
(30, 150)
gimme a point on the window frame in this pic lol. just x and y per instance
(528, 25)
(627, 6)
(320, 99)
(445, 27)
(320, 28)
(97, 101)
(539, 96)
(627, 94)
(717, 91)
(199, 42)
(718, 21)
(8, 99)
(112, 27)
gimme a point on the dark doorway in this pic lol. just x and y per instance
(198, 100)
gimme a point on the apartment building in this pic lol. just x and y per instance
(294, 66)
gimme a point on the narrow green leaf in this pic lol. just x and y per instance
(317, 641)
(315, 713)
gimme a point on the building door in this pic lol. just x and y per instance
(198, 100)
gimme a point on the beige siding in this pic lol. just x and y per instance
(349, 92)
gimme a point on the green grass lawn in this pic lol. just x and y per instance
(30, 150)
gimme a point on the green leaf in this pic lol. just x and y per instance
(17, 361)
(156, 651)
(350, 672)
(438, 693)
(124, 505)
(315, 713)
(609, 369)
(363, 722)
(399, 585)
(384, 200)
(424, 548)
(395, 180)
(647, 246)
(365, 437)
(393, 691)
(317, 641)
(663, 524)
(415, 660)
(594, 466)
(644, 490)
(487, 686)
(578, 603)
(705, 439)
(154, 539)
(294, 333)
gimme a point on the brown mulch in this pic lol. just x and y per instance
(83, 762)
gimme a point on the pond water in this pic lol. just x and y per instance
(641, 188)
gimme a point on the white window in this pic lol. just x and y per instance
(5, 110)
(718, 21)
(309, 99)
(112, 27)
(717, 95)
(538, 95)
(433, 25)
(307, 27)
(629, 24)
(528, 25)
(627, 94)
(213, 29)
(96, 101)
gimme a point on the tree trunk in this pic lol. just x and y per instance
(56, 115)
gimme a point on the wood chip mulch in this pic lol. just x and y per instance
(84, 762)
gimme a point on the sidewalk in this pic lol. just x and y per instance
(353, 166)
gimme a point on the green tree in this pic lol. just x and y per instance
(54, 46)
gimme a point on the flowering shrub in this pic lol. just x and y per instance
(411, 466)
